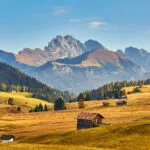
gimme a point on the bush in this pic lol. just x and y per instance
(19, 108)
(11, 101)
(135, 90)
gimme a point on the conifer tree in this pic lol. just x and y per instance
(59, 104)
(46, 108)
(40, 107)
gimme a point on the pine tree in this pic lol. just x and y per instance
(40, 107)
(36, 108)
(59, 104)
(11, 101)
(46, 108)
(88, 96)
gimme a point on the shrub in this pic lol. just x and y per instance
(135, 90)
(11, 101)
(19, 108)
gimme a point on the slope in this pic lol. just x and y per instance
(12, 79)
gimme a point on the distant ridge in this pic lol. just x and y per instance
(13, 77)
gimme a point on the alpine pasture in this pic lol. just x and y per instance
(125, 127)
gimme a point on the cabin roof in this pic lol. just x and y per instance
(88, 116)
(7, 137)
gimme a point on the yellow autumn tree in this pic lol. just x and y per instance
(81, 103)
(124, 92)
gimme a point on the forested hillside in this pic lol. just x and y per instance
(12, 79)
(112, 90)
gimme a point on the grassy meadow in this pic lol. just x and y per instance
(22, 99)
(128, 127)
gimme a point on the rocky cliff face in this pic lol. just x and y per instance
(138, 56)
(58, 48)
(120, 52)
(66, 46)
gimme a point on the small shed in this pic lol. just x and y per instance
(105, 104)
(120, 103)
(7, 138)
(89, 120)
(123, 97)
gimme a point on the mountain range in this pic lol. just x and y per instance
(58, 48)
(68, 64)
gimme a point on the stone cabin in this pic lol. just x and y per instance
(7, 138)
(89, 120)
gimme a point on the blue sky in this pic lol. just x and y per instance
(115, 23)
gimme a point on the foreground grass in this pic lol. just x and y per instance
(45, 147)
(56, 130)
(22, 99)
(128, 136)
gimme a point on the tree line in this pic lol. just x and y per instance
(39, 108)
(111, 90)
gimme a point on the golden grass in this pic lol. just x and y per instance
(22, 99)
(127, 136)
(25, 146)
(58, 129)
(144, 89)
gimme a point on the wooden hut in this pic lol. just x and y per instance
(88, 120)
(7, 138)
(120, 103)
(105, 104)
(123, 97)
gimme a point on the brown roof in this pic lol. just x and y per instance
(7, 137)
(88, 116)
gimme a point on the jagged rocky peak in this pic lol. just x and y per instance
(28, 50)
(136, 51)
(93, 45)
(120, 52)
(138, 56)
(65, 46)
(58, 48)
(69, 37)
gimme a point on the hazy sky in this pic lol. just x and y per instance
(115, 23)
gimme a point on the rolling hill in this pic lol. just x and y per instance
(12, 79)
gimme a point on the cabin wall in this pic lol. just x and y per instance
(6, 141)
(83, 124)
(97, 120)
